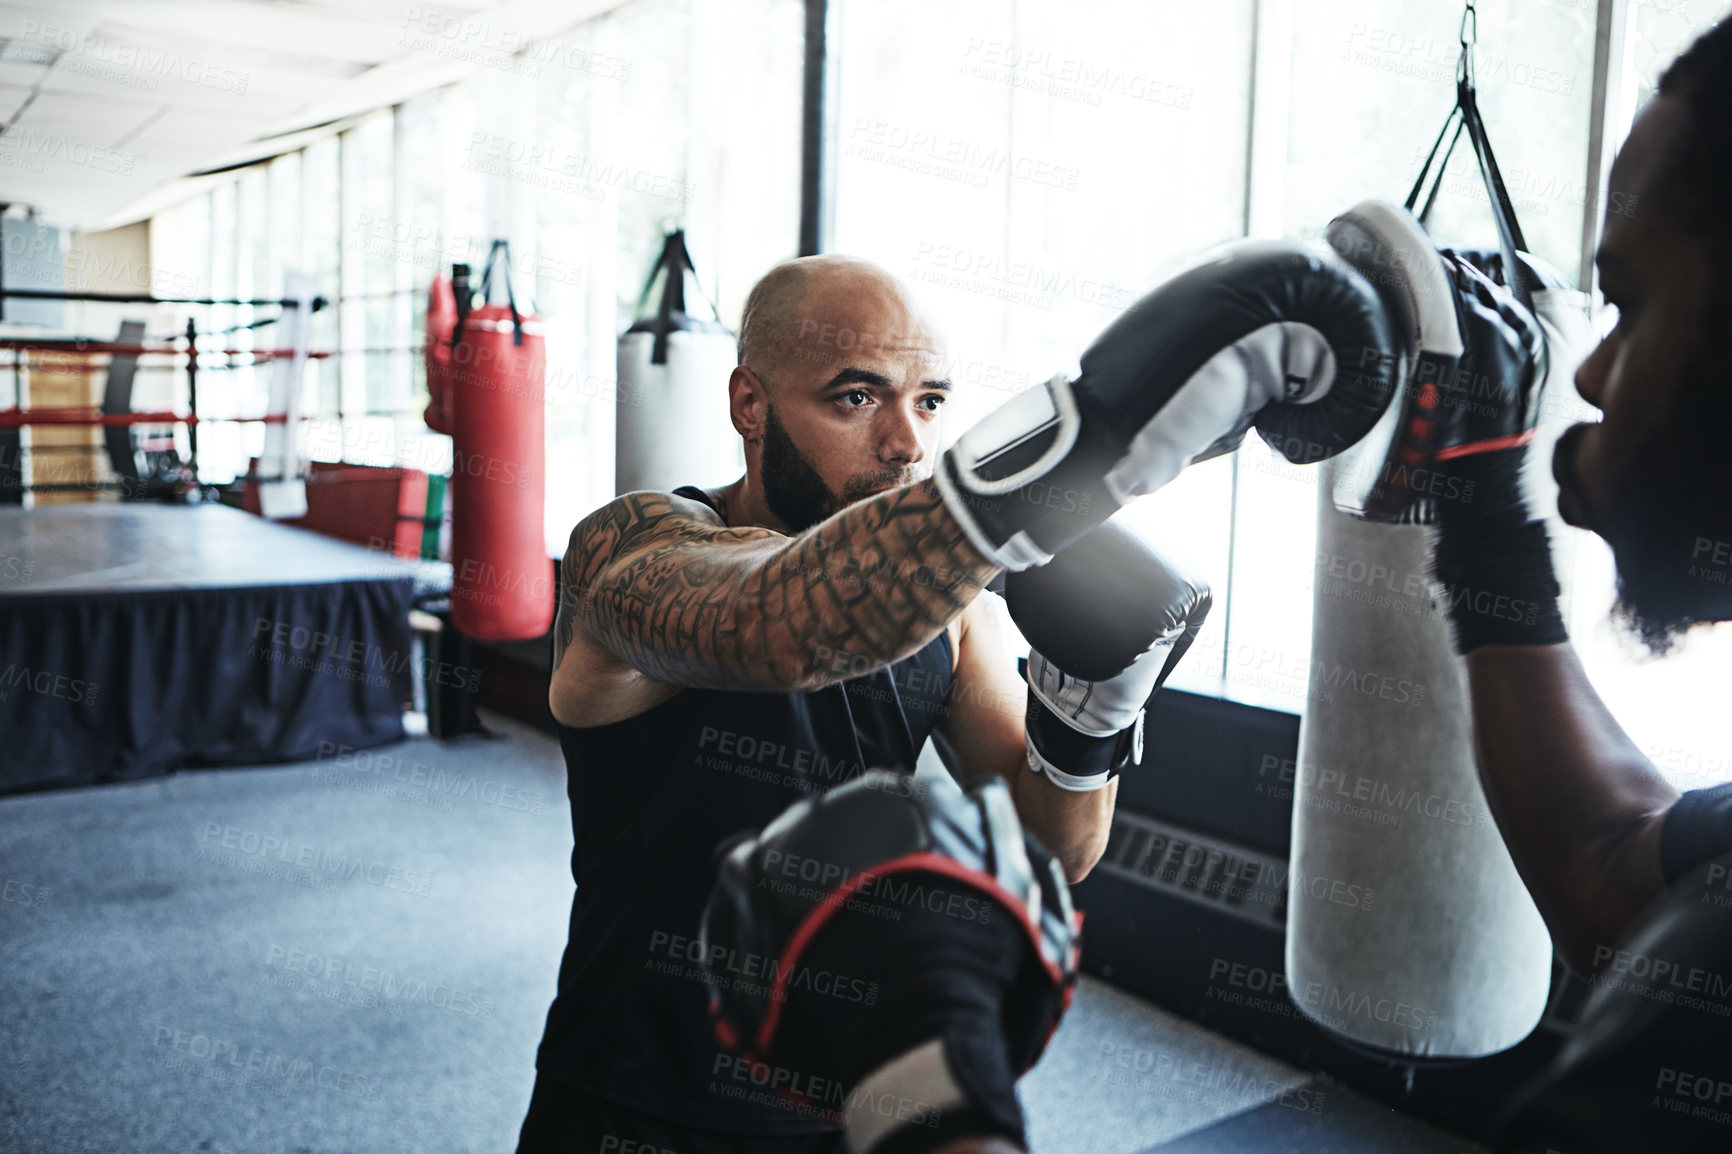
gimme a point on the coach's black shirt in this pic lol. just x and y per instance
(651, 797)
(1697, 827)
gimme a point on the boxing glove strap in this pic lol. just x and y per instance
(1026, 481)
(966, 479)
(1014, 553)
(1077, 761)
(1103, 707)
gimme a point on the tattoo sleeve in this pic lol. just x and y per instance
(657, 582)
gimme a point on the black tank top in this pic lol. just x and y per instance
(651, 797)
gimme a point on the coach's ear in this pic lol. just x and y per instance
(748, 404)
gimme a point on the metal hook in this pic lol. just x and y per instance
(1464, 72)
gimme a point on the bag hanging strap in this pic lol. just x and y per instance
(677, 260)
(1509, 229)
(1454, 120)
(501, 247)
(1425, 170)
(1465, 116)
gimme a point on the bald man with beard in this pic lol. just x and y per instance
(719, 654)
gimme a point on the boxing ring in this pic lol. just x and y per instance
(140, 638)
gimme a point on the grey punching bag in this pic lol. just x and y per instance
(1448, 958)
(1408, 929)
(673, 427)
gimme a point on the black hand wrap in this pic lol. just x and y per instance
(1495, 564)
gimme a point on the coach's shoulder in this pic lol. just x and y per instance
(638, 514)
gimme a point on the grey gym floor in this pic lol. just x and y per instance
(155, 994)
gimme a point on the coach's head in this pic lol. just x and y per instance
(1654, 478)
(838, 389)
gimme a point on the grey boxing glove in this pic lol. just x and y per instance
(1106, 622)
(1283, 336)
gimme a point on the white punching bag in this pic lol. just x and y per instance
(1408, 928)
(673, 427)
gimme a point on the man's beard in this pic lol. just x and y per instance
(1666, 518)
(794, 490)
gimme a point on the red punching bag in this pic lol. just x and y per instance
(502, 580)
(436, 349)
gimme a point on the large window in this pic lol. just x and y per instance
(321, 259)
(581, 152)
(1371, 82)
(1030, 167)
(1368, 85)
(414, 239)
(369, 341)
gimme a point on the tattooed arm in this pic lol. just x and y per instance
(657, 593)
